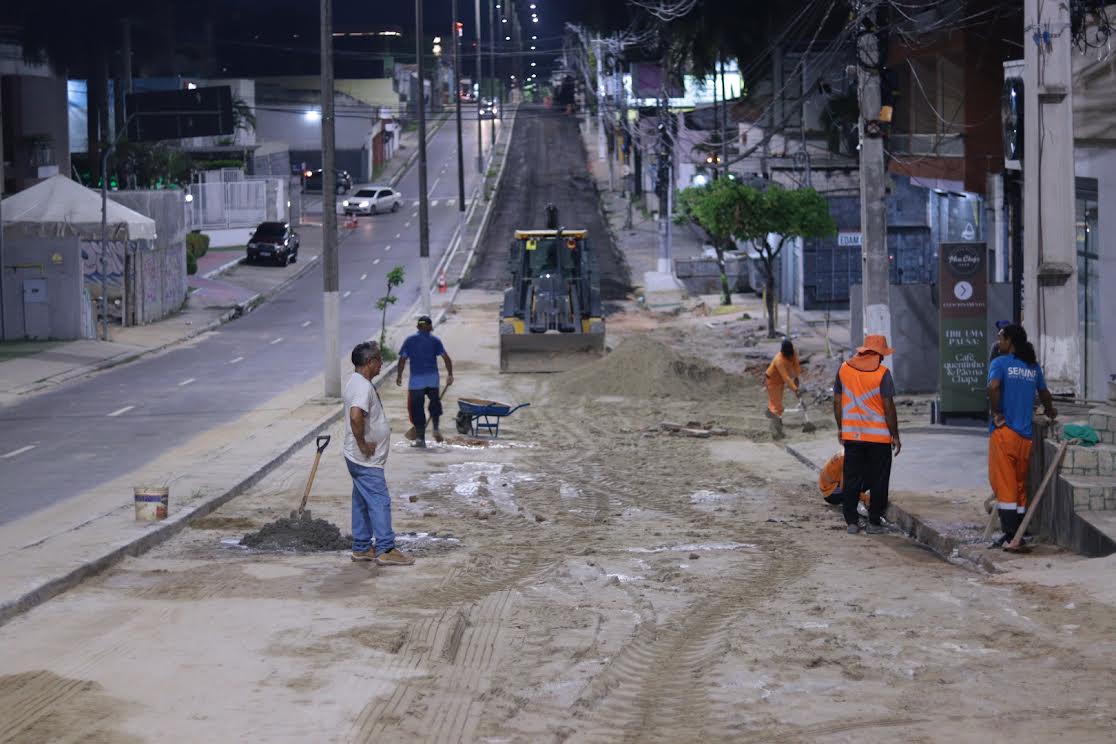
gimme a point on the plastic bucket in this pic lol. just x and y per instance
(151, 503)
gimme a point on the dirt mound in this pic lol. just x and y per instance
(641, 367)
(298, 534)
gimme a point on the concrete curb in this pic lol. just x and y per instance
(213, 273)
(967, 553)
(483, 226)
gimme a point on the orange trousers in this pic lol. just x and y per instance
(775, 395)
(1009, 458)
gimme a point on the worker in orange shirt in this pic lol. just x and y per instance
(784, 370)
(830, 480)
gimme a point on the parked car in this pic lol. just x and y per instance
(489, 109)
(373, 199)
(273, 241)
(314, 181)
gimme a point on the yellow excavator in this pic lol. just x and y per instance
(552, 318)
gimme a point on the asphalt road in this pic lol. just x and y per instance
(95, 430)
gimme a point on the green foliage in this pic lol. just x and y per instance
(191, 264)
(197, 244)
(395, 278)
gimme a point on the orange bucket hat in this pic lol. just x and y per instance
(866, 359)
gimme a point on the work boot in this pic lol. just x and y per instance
(364, 555)
(420, 441)
(853, 529)
(394, 557)
(438, 436)
(875, 529)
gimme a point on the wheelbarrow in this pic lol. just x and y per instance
(474, 414)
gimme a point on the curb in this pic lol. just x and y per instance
(966, 553)
(483, 226)
(168, 529)
(213, 273)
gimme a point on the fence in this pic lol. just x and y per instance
(244, 203)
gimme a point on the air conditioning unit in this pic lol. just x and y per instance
(1011, 114)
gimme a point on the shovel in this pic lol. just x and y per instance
(807, 427)
(301, 513)
(412, 433)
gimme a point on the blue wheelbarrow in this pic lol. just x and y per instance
(474, 414)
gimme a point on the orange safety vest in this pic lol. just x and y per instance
(862, 408)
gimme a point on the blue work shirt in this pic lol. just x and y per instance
(1018, 385)
(422, 350)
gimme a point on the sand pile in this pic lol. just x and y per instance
(641, 367)
(298, 534)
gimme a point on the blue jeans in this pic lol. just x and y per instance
(371, 509)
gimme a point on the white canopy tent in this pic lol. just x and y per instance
(59, 207)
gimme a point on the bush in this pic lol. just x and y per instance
(191, 264)
(197, 244)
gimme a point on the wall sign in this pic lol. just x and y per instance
(962, 323)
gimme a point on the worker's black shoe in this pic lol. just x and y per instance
(852, 529)
(875, 529)
(419, 443)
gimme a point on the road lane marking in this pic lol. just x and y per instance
(387, 248)
(120, 411)
(19, 451)
(347, 293)
(434, 203)
(363, 277)
(375, 261)
(406, 224)
(238, 360)
(305, 323)
(436, 181)
(187, 381)
(276, 340)
(397, 235)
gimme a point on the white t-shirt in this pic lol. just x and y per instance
(360, 393)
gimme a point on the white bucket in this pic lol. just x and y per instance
(151, 503)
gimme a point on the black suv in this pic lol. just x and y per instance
(314, 182)
(273, 241)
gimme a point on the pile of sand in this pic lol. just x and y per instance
(641, 367)
(298, 534)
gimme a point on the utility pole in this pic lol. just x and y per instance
(724, 117)
(424, 213)
(1050, 282)
(497, 84)
(331, 299)
(480, 93)
(460, 141)
(873, 227)
(716, 128)
(3, 315)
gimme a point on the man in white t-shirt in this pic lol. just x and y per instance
(367, 439)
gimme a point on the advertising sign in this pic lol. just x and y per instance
(962, 322)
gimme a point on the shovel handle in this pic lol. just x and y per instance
(322, 443)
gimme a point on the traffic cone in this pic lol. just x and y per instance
(442, 282)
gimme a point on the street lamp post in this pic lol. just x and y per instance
(460, 141)
(424, 215)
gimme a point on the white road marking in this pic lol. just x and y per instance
(435, 202)
(407, 224)
(238, 360)
(276, 340)
(413, 215)
(387, 248)
(397, 235)
(305, 323)
(363, 277)
(347, 293)
(187, 381)
(19, 451)
(375, 261)
(119, 411)
(436, 180)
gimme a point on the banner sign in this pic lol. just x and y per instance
(962, 328)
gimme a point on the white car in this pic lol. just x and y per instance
(373, 199)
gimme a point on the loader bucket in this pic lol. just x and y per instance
(549, 352)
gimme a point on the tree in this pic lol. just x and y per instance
(395, 278)
(768, 219)
(711, 207)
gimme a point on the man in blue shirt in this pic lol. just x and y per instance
(1014, 378)
(423, 349)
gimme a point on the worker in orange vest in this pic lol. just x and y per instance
(868, 429)
(830, 480)
(784, 370)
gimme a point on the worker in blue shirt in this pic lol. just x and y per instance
(1014, 378)
(423, 349)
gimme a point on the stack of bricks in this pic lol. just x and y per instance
(1091, 471)
(1104, 421)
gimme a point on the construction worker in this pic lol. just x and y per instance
(868, 429)
(784, 370)
(1014, 378)
(829, 483)
(423, 349)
